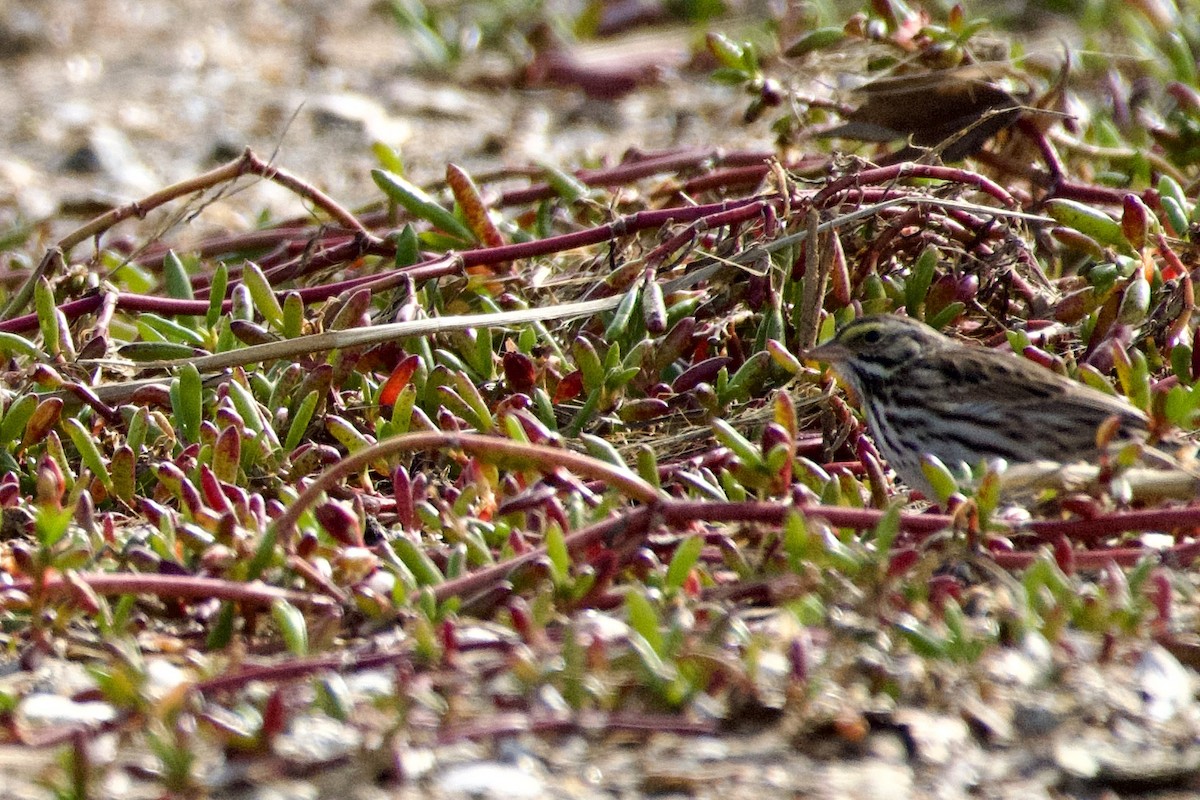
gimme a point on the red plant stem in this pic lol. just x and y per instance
(726, 178)
(307, 248)
(1182, 556)
(642, 220)
(1080, 530)
(981, 229)
(642, 168)
(1090, 530)
(234, 243)
(298, 232)
(303, 249)
(443, 266)
(894, 172)
(245, 164)
(853, 467)
(1053, 161)
(440, 266)
(335, 255)
(971, 236)
(180, 586)
(75, 308)
(628, 526)
(861, 194)
(678, 512)
(89, 398)
(1090, 193)
(491, 256)
(311, 574)
(301, 668)
(881, 244)
(658, 255)
(476, 445)
(1170, 256)
(167, 306)
(633, 525)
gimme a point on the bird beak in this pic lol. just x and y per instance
(830, 352)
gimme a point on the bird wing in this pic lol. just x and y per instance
(995, 384)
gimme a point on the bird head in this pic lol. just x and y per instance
(869, 349)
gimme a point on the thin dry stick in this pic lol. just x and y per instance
(377, 334)
(537, 456)
(817, 263)
(245, 164)
(627, 527)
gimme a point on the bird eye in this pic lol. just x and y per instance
(872, 336)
